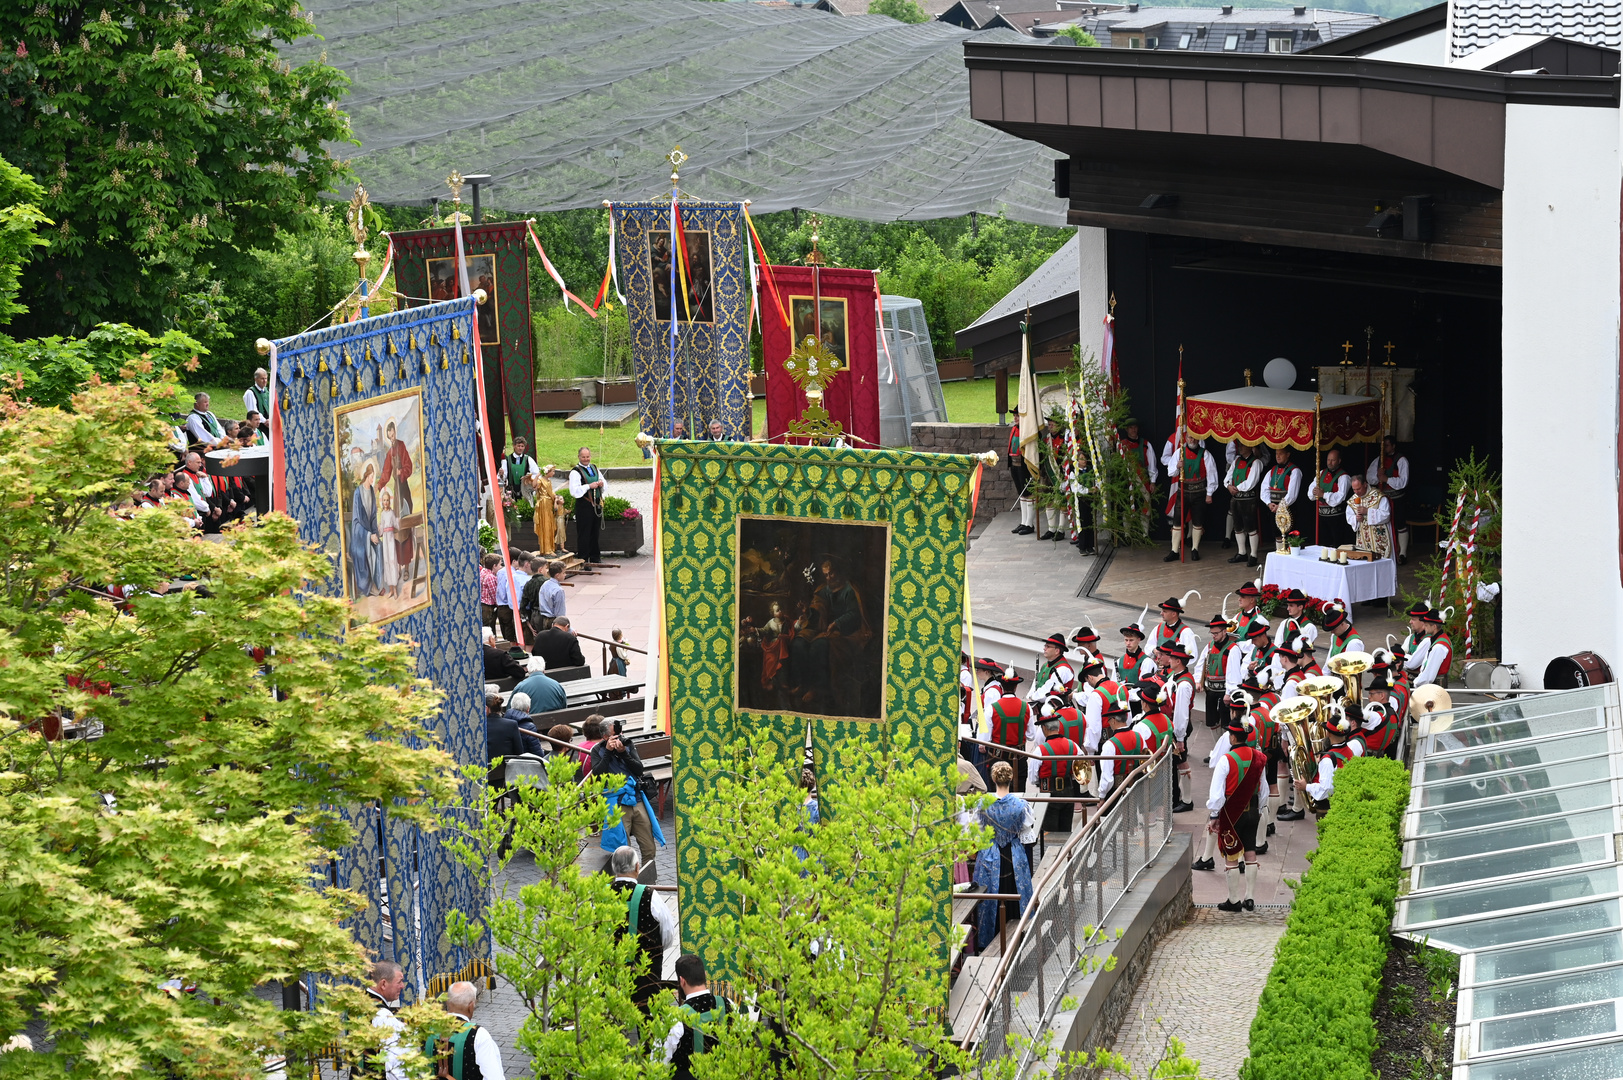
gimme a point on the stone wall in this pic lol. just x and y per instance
(997, 488)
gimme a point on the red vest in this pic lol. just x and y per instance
(1129, 743)
(1376, 742)
(1074, 724)
(1339, 755)
(1051, 768)
(1166, 635)
(1159, 723)
(1267, 729)
(1246, 768)
(1444, 638)
(1009, 715)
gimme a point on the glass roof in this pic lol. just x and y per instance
(1511, 857)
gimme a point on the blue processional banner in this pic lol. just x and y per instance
(380, 429)
(702, 372)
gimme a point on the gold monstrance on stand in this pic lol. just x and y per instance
(813, 366)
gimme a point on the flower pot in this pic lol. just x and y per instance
(521, 533)
(623, 535)
(552, 402)
(617, 392)
(955, 370)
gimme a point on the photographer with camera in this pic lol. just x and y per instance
(617, 755)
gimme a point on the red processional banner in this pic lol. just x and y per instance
(847, 326)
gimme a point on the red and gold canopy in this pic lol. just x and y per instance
(1279, 418)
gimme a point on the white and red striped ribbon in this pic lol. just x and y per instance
(552, 271)
(1468, 577)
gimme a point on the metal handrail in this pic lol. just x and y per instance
(1162, 756)
(607, 645)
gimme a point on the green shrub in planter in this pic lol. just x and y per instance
(1314, 1021)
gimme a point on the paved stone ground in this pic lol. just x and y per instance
(1202, 985)
(501, 1011)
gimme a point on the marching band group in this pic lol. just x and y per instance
(1089, 719)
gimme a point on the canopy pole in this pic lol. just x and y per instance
(1318, 445)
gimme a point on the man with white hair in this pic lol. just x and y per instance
(257, 397)
(469, 1054)
(647, 919)
(499, 663)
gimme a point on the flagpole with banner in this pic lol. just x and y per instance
(1027, 402)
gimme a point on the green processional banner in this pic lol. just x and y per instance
(806, 585)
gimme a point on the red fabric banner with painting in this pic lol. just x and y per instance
(848, 329)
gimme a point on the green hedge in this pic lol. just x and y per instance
(1315, 1016)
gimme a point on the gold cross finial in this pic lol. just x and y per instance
(813, 366)
(676, 158)
(1389, 348)
(1346, 353)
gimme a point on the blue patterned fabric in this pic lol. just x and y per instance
(353, 363)
(709, 376)
(1006, 817)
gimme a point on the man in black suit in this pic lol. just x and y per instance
(558, 646)
(499, 663)
(502, 738)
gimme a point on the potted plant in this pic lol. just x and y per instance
(622, 526)
(1294, 540)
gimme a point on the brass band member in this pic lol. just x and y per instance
(1234, 808)
(1329, 495)
(1390, 473)
(1243, 481)
(1280, 487)
(1340, 727)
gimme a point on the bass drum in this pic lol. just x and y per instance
(1579, 669)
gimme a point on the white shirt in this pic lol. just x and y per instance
(1233, 667)
(1396, 483)
(1183, 699)
(251, 403)
(488, 1056)
(1379, 514)
(1293, 489)
(1058, 682)
(1092, 704)
(1437, 652)
(662, 915)
(990, 695)
(1252, 477)
(1290, 629)
(1217, 796)
(1337, 494)
(577, 486)
(1326, 783)
(530, 468)
(199, 431)
(392, 1069)
(1107, 766)
(1414, 651)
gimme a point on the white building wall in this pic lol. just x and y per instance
(1561, 587)
(1424, 49)
(1093, 288)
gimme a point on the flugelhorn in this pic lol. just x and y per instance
(1351, 667)
(1293, 717)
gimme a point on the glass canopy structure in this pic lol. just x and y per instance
(1511, 857)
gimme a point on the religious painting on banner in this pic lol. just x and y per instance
(445, 284)
(848, 327)
(693, 370)
(498, 255)
(789, 571)
(701, 303)
(365, 407)
(383, 508)
(811, 617)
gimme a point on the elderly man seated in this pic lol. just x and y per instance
(499, 663)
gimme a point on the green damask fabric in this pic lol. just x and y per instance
(704, 489)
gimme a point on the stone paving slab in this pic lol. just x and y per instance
(1202, 985)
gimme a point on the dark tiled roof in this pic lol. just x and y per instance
(1478, 23)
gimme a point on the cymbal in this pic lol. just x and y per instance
(1431, 698)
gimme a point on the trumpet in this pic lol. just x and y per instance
(1293, 717)
(1351, 667)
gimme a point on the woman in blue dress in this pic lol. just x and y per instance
(365, 558)
(1003, 867)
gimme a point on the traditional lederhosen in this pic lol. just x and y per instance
(1191, 465)
(1332, 519)
(1277, 482)
(1243, 504)
(1237, 821)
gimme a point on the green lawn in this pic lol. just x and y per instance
(971, 402)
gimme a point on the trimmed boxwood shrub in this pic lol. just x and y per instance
(1315, 1016)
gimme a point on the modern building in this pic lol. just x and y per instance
(1220, 29)
(1244, 206)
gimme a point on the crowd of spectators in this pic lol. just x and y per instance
(210, 502)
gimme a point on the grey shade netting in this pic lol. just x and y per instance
(571, 102)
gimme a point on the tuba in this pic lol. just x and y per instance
(1293, 717)
(1320, 689)
(1351, 667)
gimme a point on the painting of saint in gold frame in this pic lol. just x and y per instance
(383, 505)
(442, 285)
(834, 331)
(701, 298)
(812, 596)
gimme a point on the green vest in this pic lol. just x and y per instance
(458, 1047)
(695, 1020)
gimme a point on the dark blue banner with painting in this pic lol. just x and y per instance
(379, 421)
(697, 368)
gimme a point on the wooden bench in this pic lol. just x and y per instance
(575, 715)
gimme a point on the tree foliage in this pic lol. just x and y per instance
(168, 137)
(555, 936)
(235, 718)
(1080, 36)
(1481, 488)
(20, 219)
(903, 11)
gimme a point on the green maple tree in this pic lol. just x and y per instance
(236, 717)
(168, 138)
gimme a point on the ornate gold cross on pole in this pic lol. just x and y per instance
(813, 366)
(455, 182)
